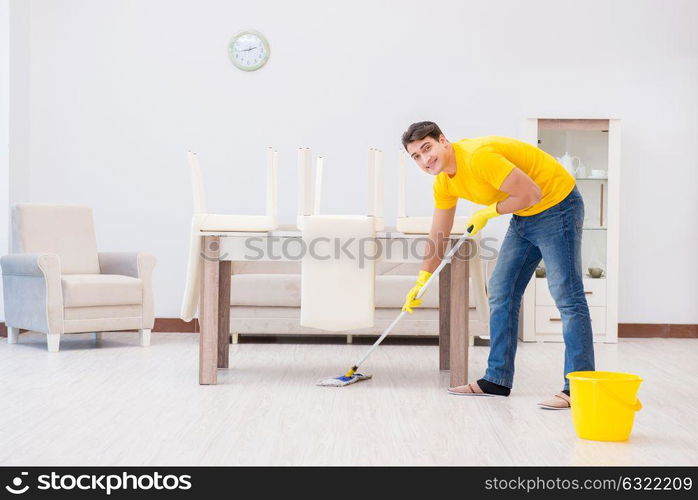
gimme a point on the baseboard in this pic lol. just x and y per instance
(164, 325)
(650, 330)
(176, 325)
(625, 330)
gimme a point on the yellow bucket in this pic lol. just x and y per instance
(603, 404)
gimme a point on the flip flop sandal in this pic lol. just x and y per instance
(559, 401)
(471, 389)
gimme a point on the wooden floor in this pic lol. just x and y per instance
(120, 404)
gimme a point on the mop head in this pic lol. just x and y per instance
(343, 380)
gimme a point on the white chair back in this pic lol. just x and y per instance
(401, 209)
(310, 193)
(375, 183)
(272, 183)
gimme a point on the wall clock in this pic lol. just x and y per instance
(248, 50)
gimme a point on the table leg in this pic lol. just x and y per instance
(459, 309)
(444, 317)
(208, 311)
(224, 272)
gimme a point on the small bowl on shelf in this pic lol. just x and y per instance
(595, 272)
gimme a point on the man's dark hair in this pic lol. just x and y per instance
(420, 130)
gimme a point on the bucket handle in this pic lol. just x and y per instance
(636, 406)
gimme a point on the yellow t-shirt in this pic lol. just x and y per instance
(483, 163)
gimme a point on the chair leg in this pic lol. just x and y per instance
(53, 341)
(12, 335)
(145, 336)
(98, 336)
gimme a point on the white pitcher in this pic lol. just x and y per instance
(567, 161)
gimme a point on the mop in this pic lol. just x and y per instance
(352, 376)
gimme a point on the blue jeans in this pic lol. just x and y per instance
(555, 235)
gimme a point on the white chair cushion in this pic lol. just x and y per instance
(85, 290)
(219, 222)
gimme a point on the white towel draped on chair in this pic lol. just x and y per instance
(338, 275)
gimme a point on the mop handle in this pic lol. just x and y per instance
(436, 272)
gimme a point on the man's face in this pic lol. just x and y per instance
(429, 154)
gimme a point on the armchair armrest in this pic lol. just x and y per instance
(32, 291)
(134, 264)
(137, 265)
(30, 264)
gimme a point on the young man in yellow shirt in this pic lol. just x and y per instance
(510, 176)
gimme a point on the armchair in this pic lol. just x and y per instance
(56, 282)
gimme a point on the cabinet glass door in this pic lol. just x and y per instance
(584, 153)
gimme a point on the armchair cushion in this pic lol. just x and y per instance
(136, 265)
(84, 290)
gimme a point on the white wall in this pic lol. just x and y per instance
(119, 90)
(4, 131)
(19, 168)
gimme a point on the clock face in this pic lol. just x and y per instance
(248, 50)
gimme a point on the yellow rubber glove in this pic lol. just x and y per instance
(410, 300)
(479, 219)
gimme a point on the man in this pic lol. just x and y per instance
(510, 176)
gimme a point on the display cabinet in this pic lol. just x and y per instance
(590, 150)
